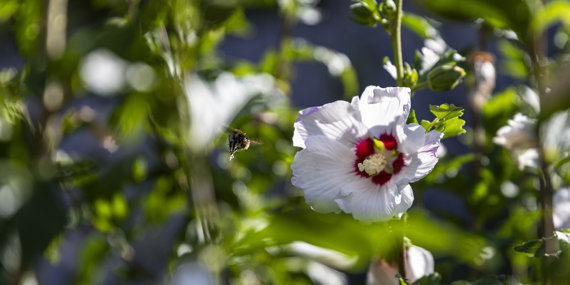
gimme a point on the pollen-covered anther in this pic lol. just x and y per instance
(373, 164)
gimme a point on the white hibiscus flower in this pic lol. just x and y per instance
(419, 263)
(519, 136)
(561, 212)
(360, 157)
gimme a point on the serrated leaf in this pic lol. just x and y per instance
(432, 279)
(453, 127)
(446, 111)
(447, 120)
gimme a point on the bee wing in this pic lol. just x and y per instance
(255, 141)
(228, 129)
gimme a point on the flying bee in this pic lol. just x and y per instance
(237, 140)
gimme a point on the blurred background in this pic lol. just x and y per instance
(114, 165)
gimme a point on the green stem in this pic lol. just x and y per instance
(397, 43)
(396, 33)
(401, 247)
(419, 86)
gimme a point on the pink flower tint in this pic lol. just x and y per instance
(360, 157)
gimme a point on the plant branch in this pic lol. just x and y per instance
(396, 28)
(537, 46)
(401, 247)
(419, 86)
(396, 31)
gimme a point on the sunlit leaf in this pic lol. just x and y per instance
(447, 120)
(432, 279)
(536, 248)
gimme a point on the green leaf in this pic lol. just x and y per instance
(412, 118)
(432, 279)
(461, 282)
(536, 248)
(129, 117)
(120, 206)
(504, 14)
(52, 251)
(8, 8)
(446, 121)
(550, 14)
(490, 280)
(420, 26)
(93, 250)
(403, 281)
(139, 169)
(338, 64)
(513, 63)
(163, 201)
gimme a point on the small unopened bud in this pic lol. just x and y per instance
(362, 14)
(389, 8)
(445, 77)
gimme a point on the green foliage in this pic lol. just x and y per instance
(550, 14)
(515, 62)
(497, 13)
(420, 26)
(446, 120)
(364, 14)
(432, 279)
(537, 248)
(445, 77)
(163, 201)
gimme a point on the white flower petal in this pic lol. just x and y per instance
(420, 263)
(338, 121)
(369, 202)
(405, 200)
(383, 109)
(519, 133)
(527, 157)
(321, 170)
(419, 165)
(411, 138)
(562, 208)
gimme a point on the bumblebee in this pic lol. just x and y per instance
(237, 140)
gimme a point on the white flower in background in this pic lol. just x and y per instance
(556, 136)
(419, 263)
(485, 77)
(561, 211)
(192, 273)
(103, 72)
(360, 157)
(214, 104)
(519, 136)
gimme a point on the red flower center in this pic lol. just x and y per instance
(366, 149)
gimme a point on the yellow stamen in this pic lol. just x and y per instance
(373, 164)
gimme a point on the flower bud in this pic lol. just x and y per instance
(389, 7)
(362, 14)
(445, 77)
